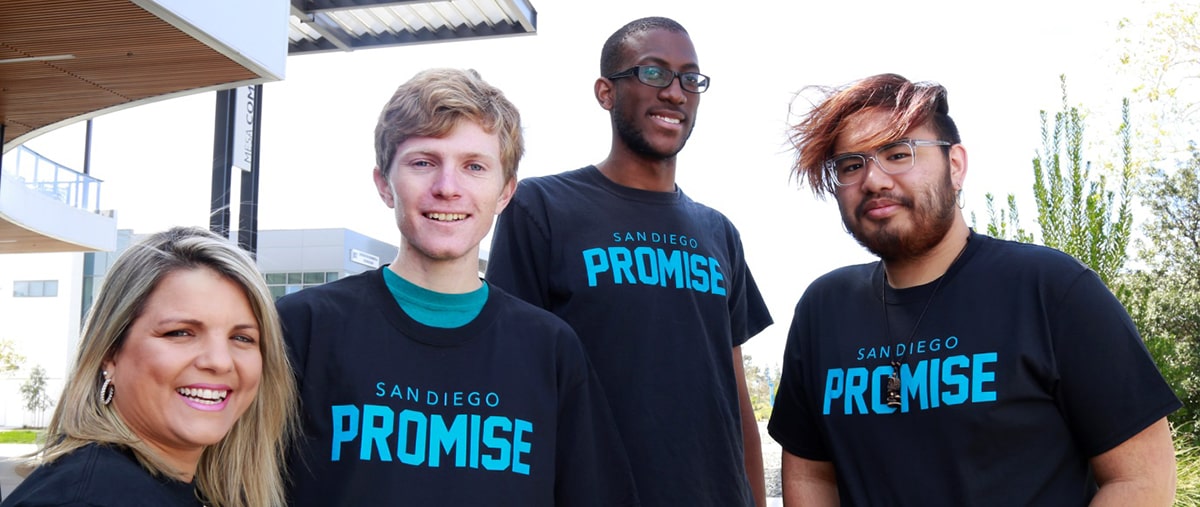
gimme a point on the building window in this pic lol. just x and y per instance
(35, 288)
(282, 284)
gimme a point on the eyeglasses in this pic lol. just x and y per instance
(659, 77)
(895, 158)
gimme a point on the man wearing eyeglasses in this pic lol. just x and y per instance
(655, 284)
(959, 369)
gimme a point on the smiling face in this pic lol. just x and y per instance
(654, 123)
(189, 365)
(445, 191)
(902, 216)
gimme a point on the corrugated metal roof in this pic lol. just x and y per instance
(347, 25)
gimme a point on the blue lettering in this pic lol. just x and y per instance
(834, 387)
(671, 267)
(699, 273)
(715, 270)
(924, 385)
(935, 382)
(500, 444)
(475, 439)
(856, 389)
(647, 270)
(411, 419)
(622, 264)
(912, 382)
(520, 447)
(375, 433)
(596, 262)
(345, 428)
(878, 386)
(442, 440)
(687, 263)
(956, 380)
(978, 377)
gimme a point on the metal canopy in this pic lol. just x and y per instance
(347, 25)
(62, 61)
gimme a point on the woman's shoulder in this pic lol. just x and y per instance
(95, 475)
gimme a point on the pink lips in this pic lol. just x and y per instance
(207, 398)
(880, 208)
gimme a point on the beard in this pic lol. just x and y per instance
(931, 219)
(625, 126)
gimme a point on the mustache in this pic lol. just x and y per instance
(904, 201)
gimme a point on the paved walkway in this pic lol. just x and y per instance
(9, 458)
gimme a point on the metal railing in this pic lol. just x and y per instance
(53, 179)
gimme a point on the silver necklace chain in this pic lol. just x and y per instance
(893, 382)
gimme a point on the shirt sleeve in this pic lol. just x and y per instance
(295, 318)
(792, 422)
(748, 312)
(1109, 388)
(520, 250)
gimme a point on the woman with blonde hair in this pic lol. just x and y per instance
(181, 393)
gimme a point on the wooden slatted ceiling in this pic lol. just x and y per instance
(16, 239)
(123, 54)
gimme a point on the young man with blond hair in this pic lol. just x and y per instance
(422, 384)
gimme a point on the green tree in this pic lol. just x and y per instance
(762, 384)
(1076, 213)
(34, 393)
(1165, 295)
(1159, 50)
(10, 360)
(1004, 224)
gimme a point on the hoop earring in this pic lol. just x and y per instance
(958, 199)
(107, 389)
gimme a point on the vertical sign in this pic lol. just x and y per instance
(243, 128)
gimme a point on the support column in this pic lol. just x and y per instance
(219, 216)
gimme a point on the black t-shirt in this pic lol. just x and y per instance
(504, 410)
(99, 475)
(1023, 368)
(658, 289)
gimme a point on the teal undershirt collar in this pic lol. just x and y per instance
(435, 309)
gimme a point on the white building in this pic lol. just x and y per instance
(44, 297)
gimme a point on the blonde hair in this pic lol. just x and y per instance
(246, 468)
(433, 102)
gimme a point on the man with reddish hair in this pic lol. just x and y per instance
(959, 369)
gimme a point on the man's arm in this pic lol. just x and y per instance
(1139, 471)
(751, 441)
(808, 483)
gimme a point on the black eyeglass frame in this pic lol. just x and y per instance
(636, 71)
